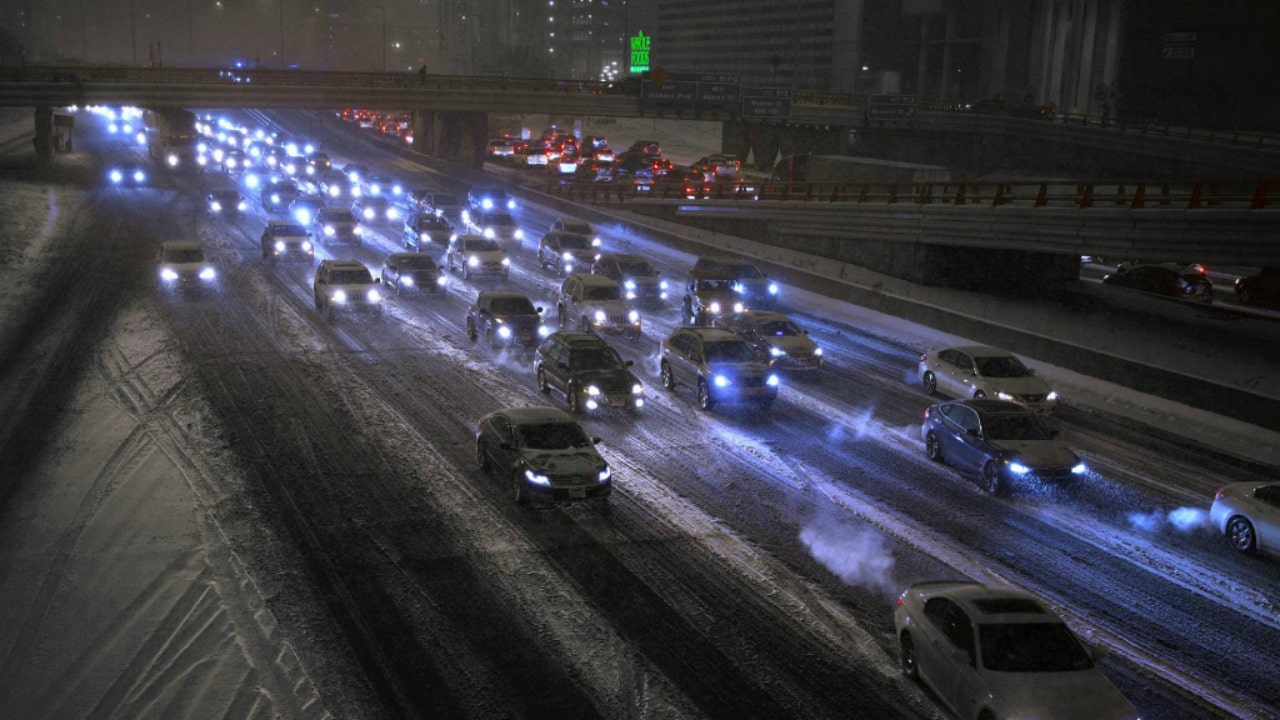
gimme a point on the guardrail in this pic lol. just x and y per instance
(1131, 195)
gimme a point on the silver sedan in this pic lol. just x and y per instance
(1248, 513)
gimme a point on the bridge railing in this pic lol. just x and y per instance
(1133, 195)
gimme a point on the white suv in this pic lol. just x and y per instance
(347, 285)
(593, 303)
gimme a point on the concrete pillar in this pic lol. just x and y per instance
(43, 139)
(846, 45)
(996, 48)
(1057, 58)
(424, 131)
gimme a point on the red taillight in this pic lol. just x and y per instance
(901, 600)
(924, 358)
(1222, 492)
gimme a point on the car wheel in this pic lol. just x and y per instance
(542, 382)
(979, 395)
(991, 478)
(520, 490)
(705, 401)
(471, 329)
(1240, 533)
(930, 384)
(907, 657)
(932, 449)
(571, 396)
(668, 380)
(482, 458)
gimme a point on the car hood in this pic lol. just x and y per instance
(738, 369)
(610, 307)
(571, 461)
(1026, 385)
(519, 321)
(1078, 695)
(642, 280)
(1039, 453)
(791, 344)
(581, 253)
(355, 289)
(486, 256)
(724, 297)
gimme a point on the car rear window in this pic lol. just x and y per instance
(553, 436)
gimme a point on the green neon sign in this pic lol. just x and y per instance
(640, 52)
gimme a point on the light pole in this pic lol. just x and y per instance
(384, 36)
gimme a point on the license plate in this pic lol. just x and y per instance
(577, 493)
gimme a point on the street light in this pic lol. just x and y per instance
(384, 36)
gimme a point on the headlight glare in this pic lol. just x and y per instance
(714, 308)
(601, 316)
(537, 478)
(721, 381)
(208, 274)
(1018, 468)
(637, 389)
(340, 296)
(280, 246)
(1079, 469)
(772, 381)
(374, 296)
(592, 390)
(168, 274)
(1053, 395)
(504, 332)
(604, 474)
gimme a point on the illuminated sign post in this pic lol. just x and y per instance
(640, 53)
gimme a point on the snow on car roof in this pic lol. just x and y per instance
(536, 414)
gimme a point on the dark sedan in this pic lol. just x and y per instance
(412, 272)
(1261, 289)
(1001, 441)
(544, 454)
(506, 318)
(1166, 281)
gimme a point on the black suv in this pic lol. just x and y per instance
(709, 294)
(589, 373)
(754, 287)
(505, 318)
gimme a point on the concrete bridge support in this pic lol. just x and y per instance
(457, 136)
(766, 142)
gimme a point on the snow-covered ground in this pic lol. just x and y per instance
(123, 596)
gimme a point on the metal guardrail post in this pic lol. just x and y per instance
(1139, 196)
(1085, 192)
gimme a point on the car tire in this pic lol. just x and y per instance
(705, 400)
(1241, 534)
(932, 448)
(571, 397)
(471, 329)
(991, 478)
(482, 458)
(979, 395)
(907, 657)
(668, 379)
(543, 387)
(930, 383)
(519, 490)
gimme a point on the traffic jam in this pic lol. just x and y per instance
(603, 331)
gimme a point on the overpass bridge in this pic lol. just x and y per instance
(450, 116)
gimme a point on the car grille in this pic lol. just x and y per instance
(1034, 398)
(1052, 474)
(752, 381)
(571, 480)
(799, 361)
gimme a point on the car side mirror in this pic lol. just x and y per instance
(629, 363)
(1097, 652)
(506, 446)
(695, 358)
(539, 310)
(484, 312)
(377, 280)
(971, 432)
(595, 441)
(961, 655)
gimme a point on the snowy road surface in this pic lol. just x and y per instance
(225, 506)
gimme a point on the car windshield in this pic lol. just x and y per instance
(341, 216)
(287, 230)
(480, 245)
(502, 220)
(179, 257)
(604, 358)
(553, 436)
(715, 285)
(778, 328)
(1031, 647)
(430, 222)
(445, 200)
(226, 195)
(512, 306)
(417, 262)
(574, 242)
(744, 271)
(604, 292)
(1001, 366)
(580, 228)
(726, 351)
(636, 268)
(1014, 426)
(351, 277)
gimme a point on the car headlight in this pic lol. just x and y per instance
(543, 331)
(328, 230)
(1018, 468)
(568, 267)
(218, 155)
(172, 160)
(406, 280)
(168, 274)
(739, 287)
(357, 230)
(537, 478)
(353, 176)
(374, 296)
(489, 233)
(208, 274)
(251, 181)
(139, 176)
(275, 198)
(280, 246)
(601, 316)
(739, 307)
(604, 474)
(511, 204)
(306, 246)
(231, 162)
(637, 389)
(375, 189)
(487, 204)
(817, 352)
(397, 190)
(567, 255)
(302, 216)
(453, 237)
(721, 381)
(714, 308)
(473, 261)
(440, 280)
(392, 213)
(771, 381)
(777, 352)
(592, 390)
(334, 191)
(504, 332)
(1079, 469)
(519, 234)
(241, 205)
(201, 160)
(309, 148)
(339, 296)
(633, 316)
(215, 206)
(1053, 395)
(595, 242)
(368, 213)
(1000, 395)
(506, 261)
(663, 285)
(773, 288)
